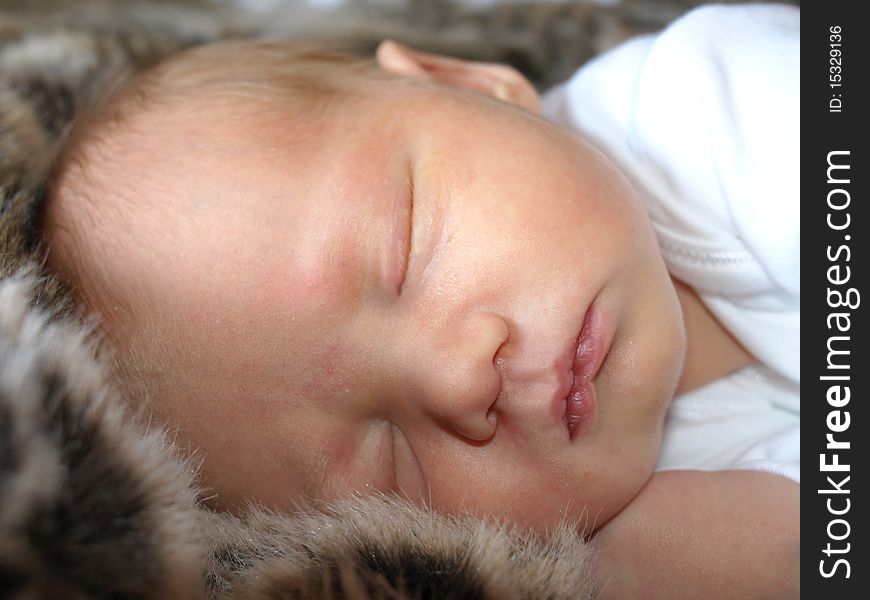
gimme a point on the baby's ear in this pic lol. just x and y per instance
(497, 80)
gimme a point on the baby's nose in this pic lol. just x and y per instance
(462, 380)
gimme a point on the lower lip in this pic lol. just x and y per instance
(581, 403)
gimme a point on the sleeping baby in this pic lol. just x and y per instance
(413, 276)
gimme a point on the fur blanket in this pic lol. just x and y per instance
(93, 502)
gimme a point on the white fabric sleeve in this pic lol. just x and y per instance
(742, 421)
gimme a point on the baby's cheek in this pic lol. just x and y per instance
(328, 373)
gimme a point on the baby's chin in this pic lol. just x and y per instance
(583, 512)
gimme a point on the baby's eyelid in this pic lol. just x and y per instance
(410, 232)
(392, 473)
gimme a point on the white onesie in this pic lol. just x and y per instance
(704, 119)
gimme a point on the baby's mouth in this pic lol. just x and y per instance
(579, 405)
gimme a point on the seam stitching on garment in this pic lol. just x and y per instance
(720, 257)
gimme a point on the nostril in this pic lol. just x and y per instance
(482, 429)
(492, 416)
(499, 334)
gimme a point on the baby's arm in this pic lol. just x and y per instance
(695, 534)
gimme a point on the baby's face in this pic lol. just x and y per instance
(393, 301)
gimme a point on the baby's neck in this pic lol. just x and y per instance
(712, 352)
